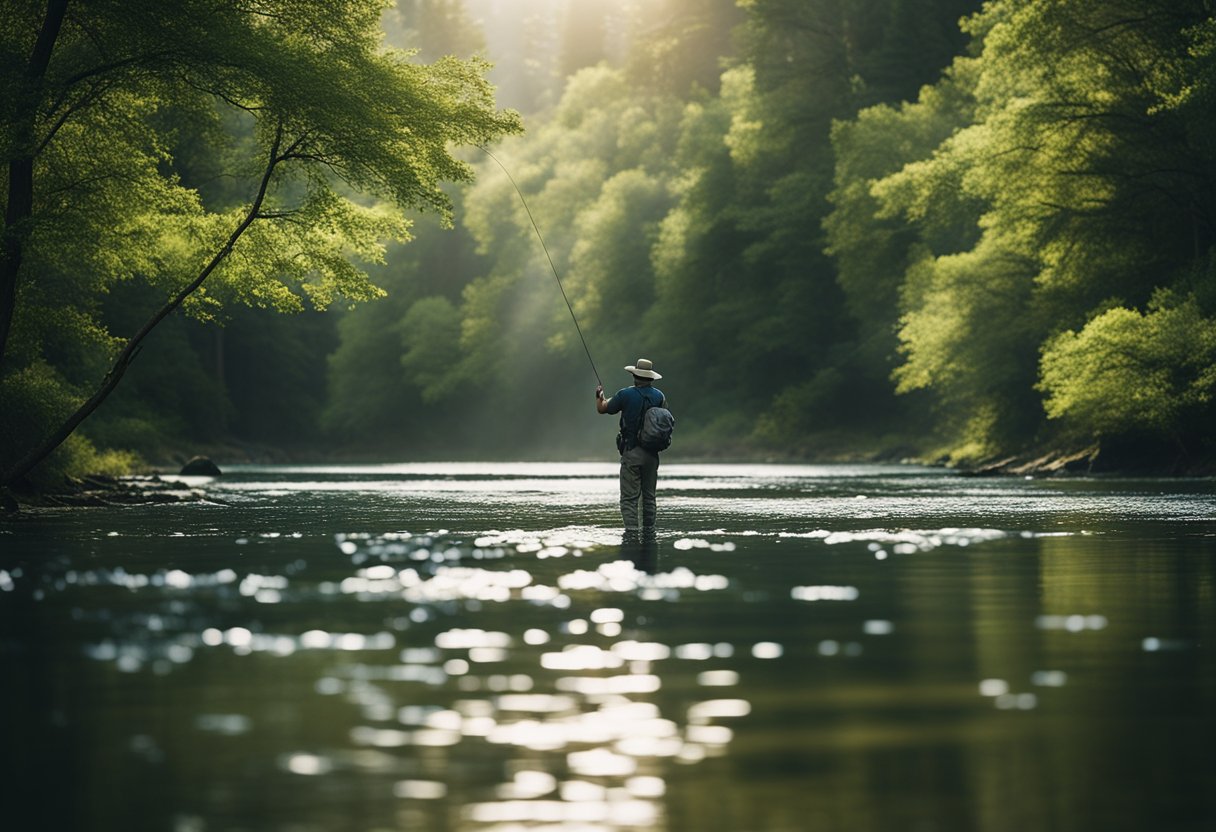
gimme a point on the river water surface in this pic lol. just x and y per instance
(474, 647)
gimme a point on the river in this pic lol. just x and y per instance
(473, 647)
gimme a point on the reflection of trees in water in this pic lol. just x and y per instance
(454, 684)
(433, 671)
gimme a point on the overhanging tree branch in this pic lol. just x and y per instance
(132, 347)
(94, 93)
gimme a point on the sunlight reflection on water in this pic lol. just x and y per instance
(583, 700)
(592, 719)
(781, 493)
(512, 662)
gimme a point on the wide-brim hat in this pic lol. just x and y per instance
(643, 369)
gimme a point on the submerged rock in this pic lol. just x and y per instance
(200, 466)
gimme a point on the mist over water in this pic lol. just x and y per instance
(473, 647)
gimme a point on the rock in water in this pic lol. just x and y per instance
(200, 466)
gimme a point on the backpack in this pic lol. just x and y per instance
(654, 427)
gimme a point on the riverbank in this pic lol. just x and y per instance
(160, 482)
(102, 490)
(1110, 458)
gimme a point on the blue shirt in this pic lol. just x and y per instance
(628, 402)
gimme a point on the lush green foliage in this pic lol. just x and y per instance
(684, 225)
(1130, 371)
(836, 225)
(1056, 181)
(326, 136)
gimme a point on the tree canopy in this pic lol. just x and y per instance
(935, 228)
(1047, 222)
(331, 135)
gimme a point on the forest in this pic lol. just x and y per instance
(942, 230)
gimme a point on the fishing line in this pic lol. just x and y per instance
(536, 228)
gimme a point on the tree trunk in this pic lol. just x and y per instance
(19, 208)
(132, 348)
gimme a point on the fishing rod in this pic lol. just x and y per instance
(536, 228)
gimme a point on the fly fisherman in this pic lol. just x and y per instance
(639, 466)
